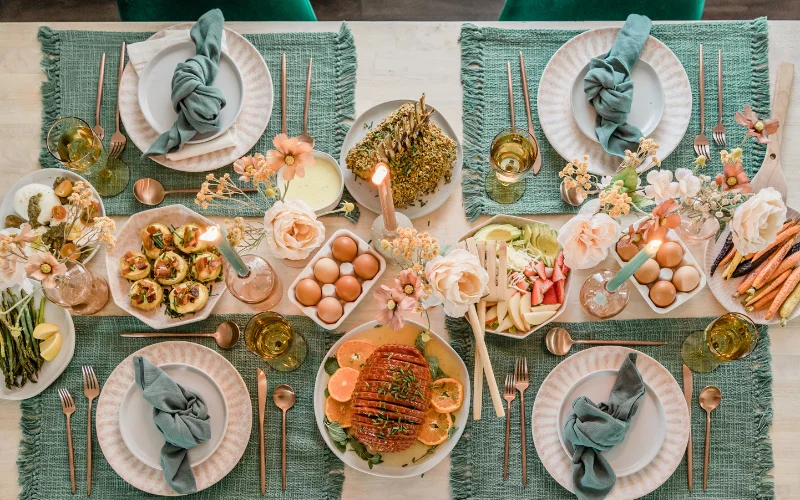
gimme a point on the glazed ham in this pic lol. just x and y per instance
(391, 397)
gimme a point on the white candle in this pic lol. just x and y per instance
(382, 180)
(217, 236)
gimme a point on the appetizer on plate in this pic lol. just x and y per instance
(187, 238)
(188, 297)
(134, 266)
(146, 294)
(170, 268)
(156, 239)
(206, 266)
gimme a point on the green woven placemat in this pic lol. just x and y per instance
(71, 61)
(741, 459)
(484, 52)
(314, 472)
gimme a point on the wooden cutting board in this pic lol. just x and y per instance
(771, 173)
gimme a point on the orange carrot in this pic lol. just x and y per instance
(774, 262)
(727, 258)
(788, 263)
(788, 286)
(764, 301)
(768, 288)
(791, 232)
(750, 278)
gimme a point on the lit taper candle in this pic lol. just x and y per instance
(633, 265)
(384, 183)
(218, 237)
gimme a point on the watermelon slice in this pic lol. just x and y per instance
(560, 291)
(537, 295)
(550, 297)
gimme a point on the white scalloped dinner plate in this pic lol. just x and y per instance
(723, 290)
(546, 418)
(554, 99)
(221, 461)
(256, 107)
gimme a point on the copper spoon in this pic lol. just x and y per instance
(226, 335)
(304, 137)
(559, 341)
(151, 192)
(709, 399)
(284, 398)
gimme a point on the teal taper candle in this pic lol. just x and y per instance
(633, 265)
(217, 236)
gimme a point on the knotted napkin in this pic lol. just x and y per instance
(180, 415)
(592, 429)
(194, 97)
(609, 87)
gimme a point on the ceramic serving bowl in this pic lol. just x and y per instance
(309, 195)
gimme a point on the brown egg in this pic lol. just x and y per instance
(329, 310)
(348, 288)
(626, 250)
(670, 254)
(326, 270)
(648, 273)
(366, 266)
(308, 292)
(662, 293)
(344, 249)
(686, 278)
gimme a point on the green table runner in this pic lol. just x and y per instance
(741, 457)
(72, 58)
(314, 472)
(484, 52)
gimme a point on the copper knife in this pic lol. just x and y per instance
(262, 403)
(537, 163)
(688, 383)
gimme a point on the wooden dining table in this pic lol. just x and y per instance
(401, 60)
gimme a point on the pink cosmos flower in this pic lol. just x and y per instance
(42, 266)
(247, 166)
(290, 153)
(755, 127)
(26, 234)
(410, 283)
(392, 303)
(734, 178)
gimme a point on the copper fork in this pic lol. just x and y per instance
(98, 129)
(68, 406)
(701, 141)
(509, 393)
(91, 389)
(118, 140)
(718, 132)
(522, 382)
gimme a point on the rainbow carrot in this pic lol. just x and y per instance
(768, 288)
(764, 301)
(788, 286)
(774, 262)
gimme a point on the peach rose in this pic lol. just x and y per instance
(586, 239)
(292, 229)
(458, 280)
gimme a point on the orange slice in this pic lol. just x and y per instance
(353, 353)
(447, 395)
(336, 411)
(435, 428)
(342, 383)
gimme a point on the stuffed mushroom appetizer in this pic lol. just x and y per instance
(134, 266)
(188, 297)
(187, 238)
(170, 268)
(146, 294)
(156, 239)
(206, 266)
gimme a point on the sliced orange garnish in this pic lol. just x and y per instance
(435, 427)
(336, 411)
(447, 395)
(342, 384)
(353, 353)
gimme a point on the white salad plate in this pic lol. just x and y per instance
(155, 89)
(554, 99)
(573, 371)
(645, 435)
(51, 370)
(128, 239)
(366, 193)
(46, 176)
(219, 372)
(723, 290)
(256, 106)
(139, 431)
(646, 109)
(398, 464)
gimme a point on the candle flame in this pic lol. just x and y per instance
(653, 246)
(211, 235)
(381, 171)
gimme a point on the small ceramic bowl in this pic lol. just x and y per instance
(339, 187)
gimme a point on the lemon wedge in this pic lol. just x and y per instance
(44, 331)
(50, 347)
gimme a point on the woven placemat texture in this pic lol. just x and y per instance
(484, 52)
(741, 457)
(71, 60)
(314, 472)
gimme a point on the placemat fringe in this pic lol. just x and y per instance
(472, 68)
(461, 466)
(28, 459)
(762, 389)
(759, 56)
(51, 87)
(346, 65)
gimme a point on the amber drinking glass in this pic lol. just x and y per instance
(271, 337)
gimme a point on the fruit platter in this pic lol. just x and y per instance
(391, 403)
(537, 278)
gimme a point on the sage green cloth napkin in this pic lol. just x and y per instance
(180, 415)
(194, 96)
(593, 429)
(609, 87)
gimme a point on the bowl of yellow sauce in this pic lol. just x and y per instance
(321, 186)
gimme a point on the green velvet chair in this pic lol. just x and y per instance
(234, 10)
(601, 10)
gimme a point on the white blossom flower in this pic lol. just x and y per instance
(660, 186)
(688, 183)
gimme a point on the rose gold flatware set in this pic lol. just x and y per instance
(519, 381)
